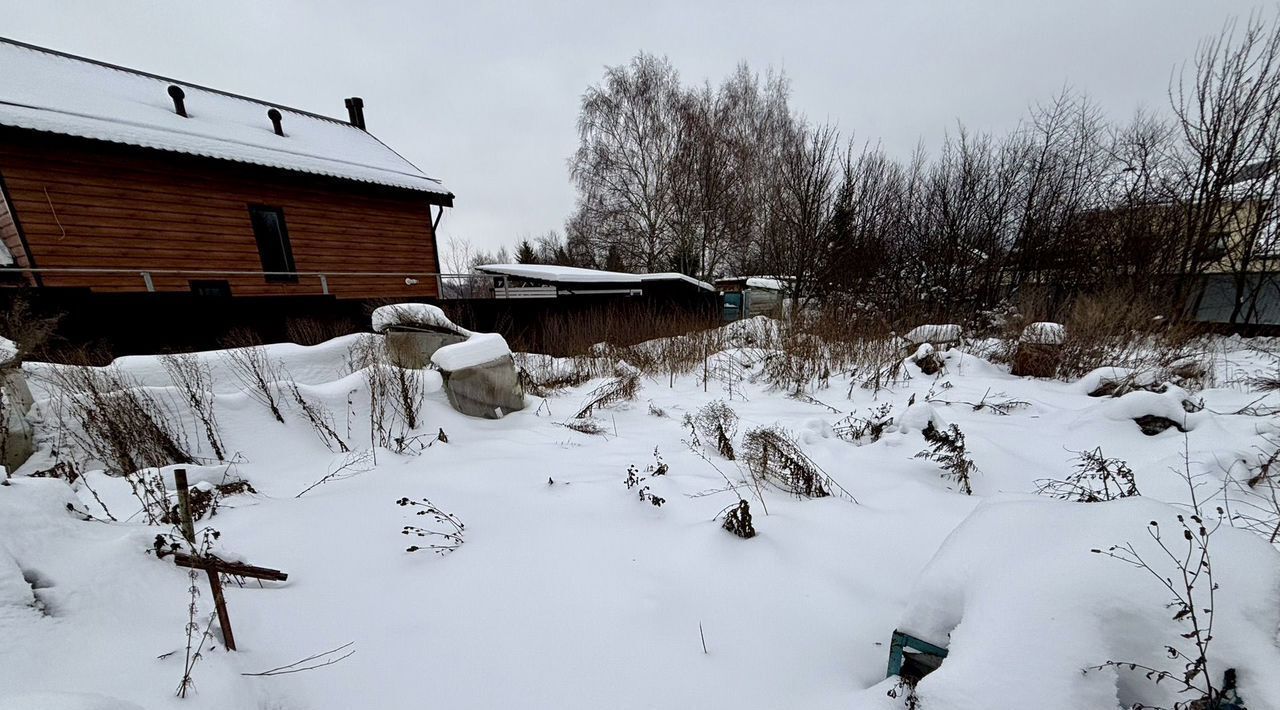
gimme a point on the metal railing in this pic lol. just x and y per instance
(447, 285)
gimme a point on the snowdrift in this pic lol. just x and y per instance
(1025, 606)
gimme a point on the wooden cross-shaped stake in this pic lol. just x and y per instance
(213, 566)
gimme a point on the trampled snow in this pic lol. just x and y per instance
(47, 91)
(571, 592)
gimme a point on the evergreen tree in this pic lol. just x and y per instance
(525, 253)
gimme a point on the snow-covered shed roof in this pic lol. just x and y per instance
(576, 275)
(767, 283)
(45, 90)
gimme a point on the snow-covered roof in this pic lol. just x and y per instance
(768, 283)
(577, 275)
(49, 91)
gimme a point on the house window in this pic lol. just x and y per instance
(273, 243)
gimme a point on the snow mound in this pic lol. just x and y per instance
(1016, 588)
(476, 350)
(14, 590)
(1095, 379)
(917, 417)
(8, 350)
(1044, 333)
(1172, 403)
(962, 363)
(947, 333)
(416, 315)
(63, 701)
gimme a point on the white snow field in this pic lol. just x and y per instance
(572, 590)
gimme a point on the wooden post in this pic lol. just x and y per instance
(184, 505)
(220, 604)
(215, 581)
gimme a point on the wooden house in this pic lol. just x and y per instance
(116, 181)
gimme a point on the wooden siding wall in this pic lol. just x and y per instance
(9, 232)
(87, 204)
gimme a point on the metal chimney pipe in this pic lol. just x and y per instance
(355, 111)
(275, 117)
(179, 104)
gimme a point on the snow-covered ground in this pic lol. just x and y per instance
(572, 591)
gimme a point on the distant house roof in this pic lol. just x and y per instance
(768, 283)
(576, 275)
(1255, 171)
(44, 90)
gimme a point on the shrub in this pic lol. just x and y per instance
(194, 381)
(1113, 328)
(1096, 479)
(395, 395)
(738, 520)
(320, 419)
(624, 386)
(313, 331)
(121, 423)
(585, 426)
(717, 422)
(255, 370)
(1187, 574)
(774, 457)
(868, 429)
(440, 541)
(947, 447)
(634, 480)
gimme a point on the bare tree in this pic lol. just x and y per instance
(630, 134)
(806, 184)
(1228, 113)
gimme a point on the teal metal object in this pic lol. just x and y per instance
(910, 657)
(733, 307)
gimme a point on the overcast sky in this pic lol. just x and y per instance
(484, 95)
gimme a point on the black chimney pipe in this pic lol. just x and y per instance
(355, 111)
(179, 106)
(275, 117)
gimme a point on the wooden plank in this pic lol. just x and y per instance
(220, 605)
(237, 569)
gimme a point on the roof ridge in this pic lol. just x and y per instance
(171, 80)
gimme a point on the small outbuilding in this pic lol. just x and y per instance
(546, 281)
(749, 296)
